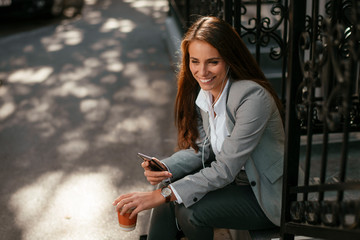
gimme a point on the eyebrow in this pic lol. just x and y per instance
(214, 58)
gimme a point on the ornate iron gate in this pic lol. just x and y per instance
(310, 51)
(323, 105)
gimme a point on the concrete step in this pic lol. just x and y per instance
(220, 234)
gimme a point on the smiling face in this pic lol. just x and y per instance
(207, 67)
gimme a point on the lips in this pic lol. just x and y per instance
(206, 80)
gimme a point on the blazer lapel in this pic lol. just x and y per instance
(230, 119)
(206, 124)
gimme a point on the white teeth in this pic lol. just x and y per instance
(205, 80)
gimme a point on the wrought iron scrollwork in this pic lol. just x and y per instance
(331, 55)
(306, 103)
(261, 30)
(343, 43)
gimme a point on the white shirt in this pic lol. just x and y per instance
(218, 130)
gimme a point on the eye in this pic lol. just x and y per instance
(214, 62)
(193, 61)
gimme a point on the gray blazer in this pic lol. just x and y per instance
(256, 141)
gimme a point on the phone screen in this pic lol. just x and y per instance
(153, 164)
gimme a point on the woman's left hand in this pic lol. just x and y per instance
(139, 201)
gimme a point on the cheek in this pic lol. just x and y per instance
(220, 70)
(192, 69)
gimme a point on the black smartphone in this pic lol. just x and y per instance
(153, 163)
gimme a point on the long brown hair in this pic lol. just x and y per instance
(234, 52)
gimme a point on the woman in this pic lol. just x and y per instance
(228, 170)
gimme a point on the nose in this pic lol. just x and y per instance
(203, 71)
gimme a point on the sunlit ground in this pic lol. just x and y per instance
(80, 98)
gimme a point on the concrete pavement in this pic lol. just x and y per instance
(81, 99)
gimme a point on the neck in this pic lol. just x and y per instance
(218, 95)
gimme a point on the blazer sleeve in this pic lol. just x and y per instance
(254, 108)
(188, 161)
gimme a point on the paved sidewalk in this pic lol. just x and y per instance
(81, 99)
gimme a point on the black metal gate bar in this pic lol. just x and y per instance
(326, 78)
(237, 15)
(324, 154)
(297, 11)
(285, 60)
(258, 26)
(310, 78)
(347, 102)
(229, 13)
(345, 145)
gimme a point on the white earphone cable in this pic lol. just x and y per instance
(212, 106)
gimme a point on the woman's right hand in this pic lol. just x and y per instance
(155, 177)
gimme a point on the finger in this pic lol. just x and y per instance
(134, 213)
(117, 200)
(123, 206)
(162, 174)
(129, 207)
(119, 206)
(121, 197)
(145, 165)
(154, 181)
(122, 200)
